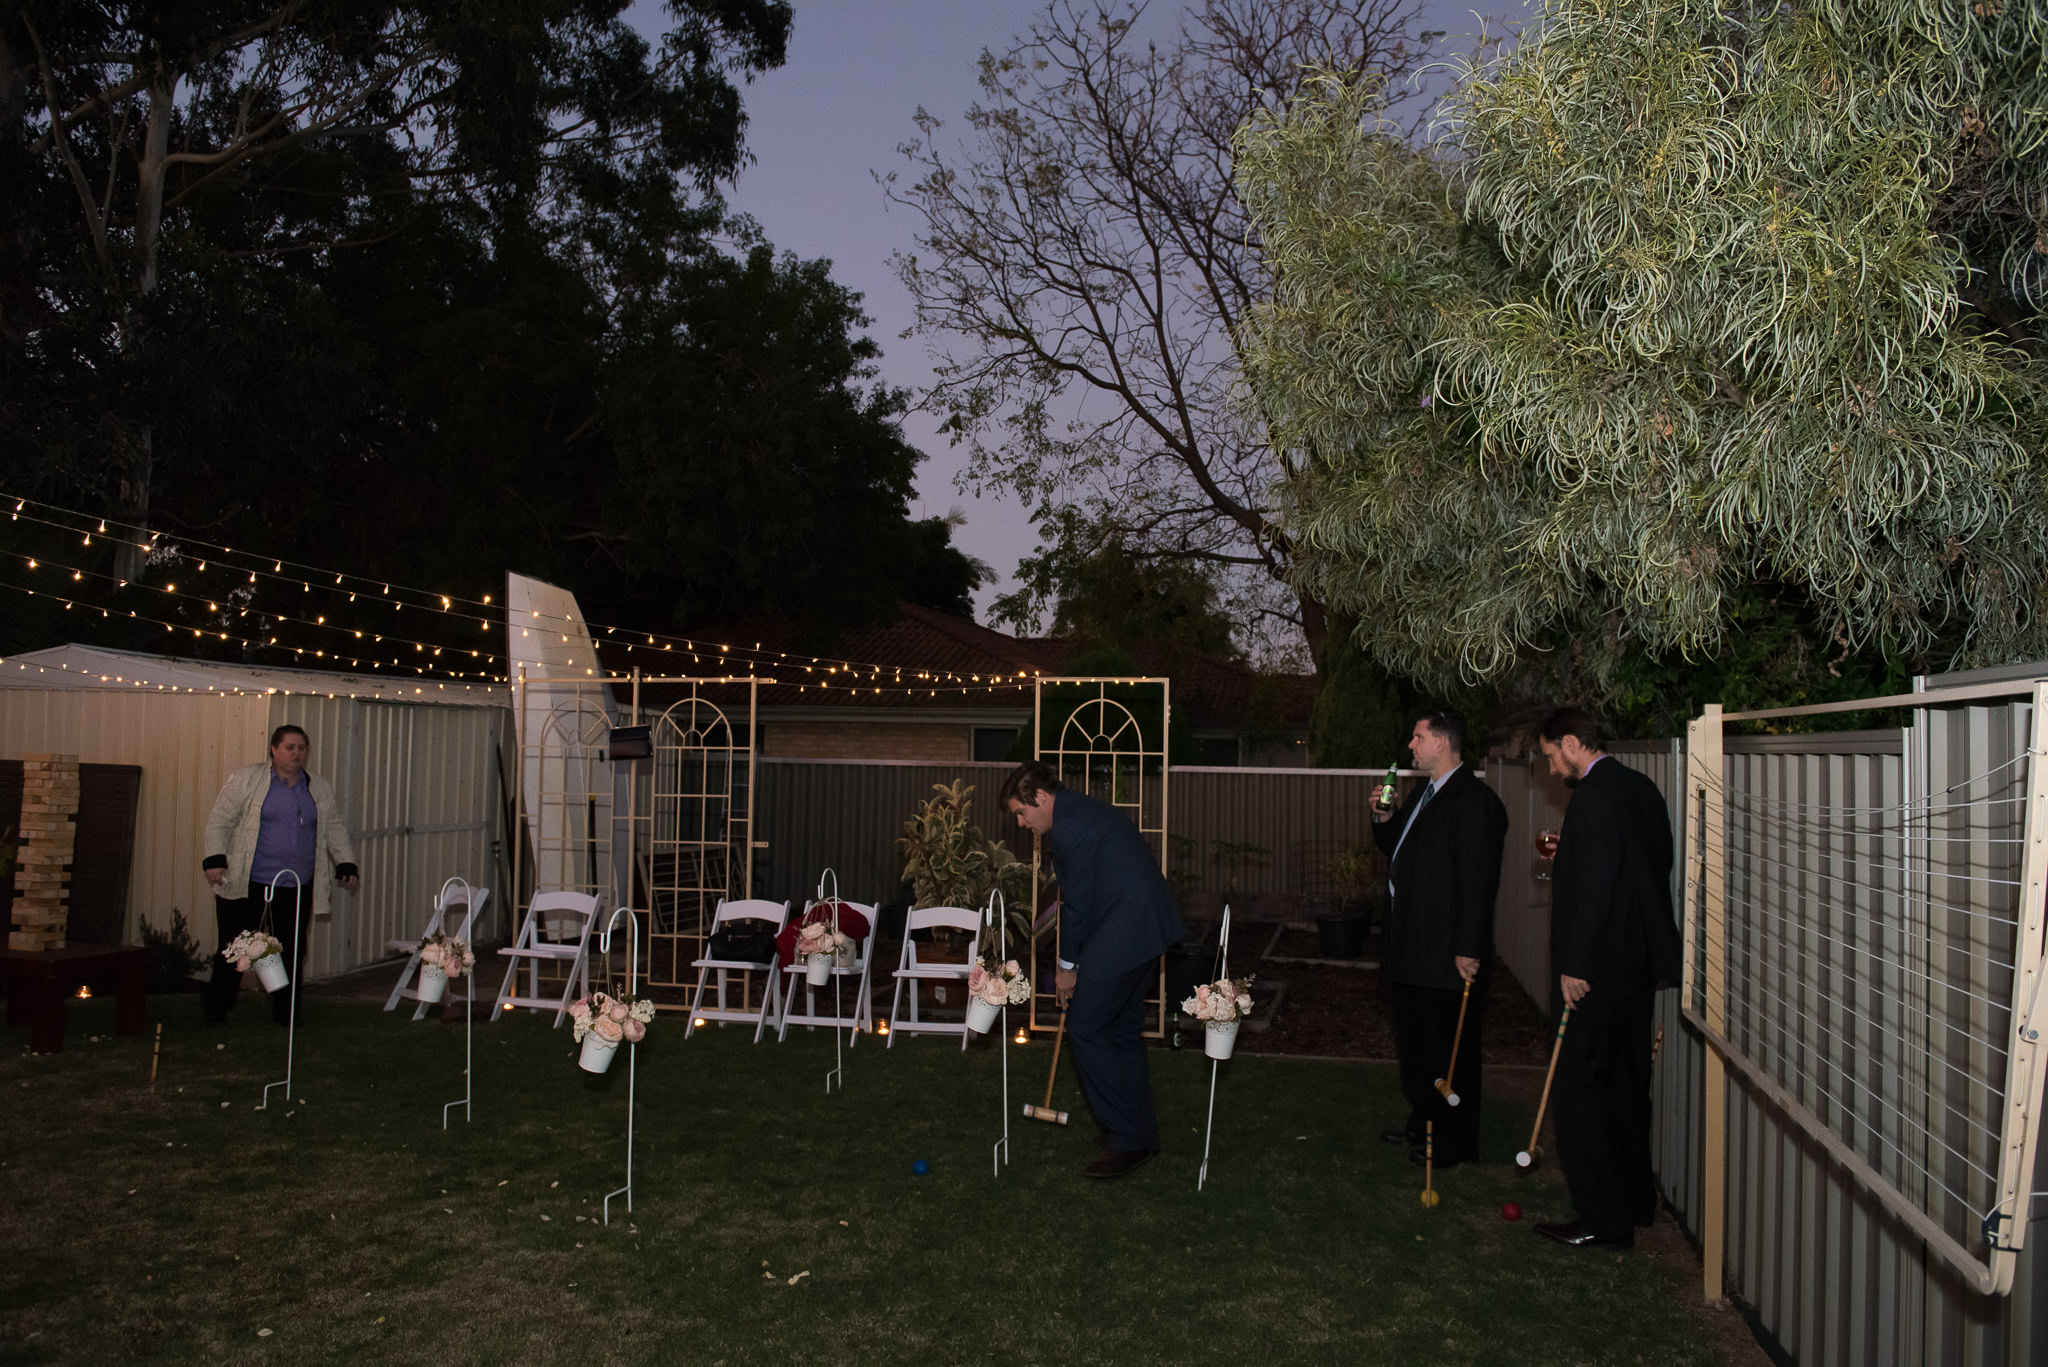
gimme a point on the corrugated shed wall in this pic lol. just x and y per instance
(418, 786)
(186, 745)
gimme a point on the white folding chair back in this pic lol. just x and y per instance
(462, 989)
(776, 914)
(854, 977)
(913, 970)
(556, 932)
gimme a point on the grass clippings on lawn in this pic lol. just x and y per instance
(772, 1223)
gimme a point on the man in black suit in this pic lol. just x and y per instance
(1116, 918)
(1612, 942)
(1443, 852)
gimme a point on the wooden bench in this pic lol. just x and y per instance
(41, 981)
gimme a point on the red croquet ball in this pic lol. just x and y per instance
(1510, 1211)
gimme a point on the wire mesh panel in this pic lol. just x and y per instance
(1106, 738)
(1862, 919)
(694, 842)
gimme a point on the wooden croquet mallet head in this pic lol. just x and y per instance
(1046, 1112)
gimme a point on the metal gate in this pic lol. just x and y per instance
(693, 817)
(1102, 749)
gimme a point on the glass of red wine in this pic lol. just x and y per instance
(1546, 850)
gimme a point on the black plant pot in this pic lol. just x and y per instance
(1343, 935)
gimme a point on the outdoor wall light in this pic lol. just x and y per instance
(631, 742)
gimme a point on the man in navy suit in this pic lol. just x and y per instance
(1443, 851)
(1116, 918)
(1613, 940)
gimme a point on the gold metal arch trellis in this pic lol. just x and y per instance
(692, 817)
(1106, 748)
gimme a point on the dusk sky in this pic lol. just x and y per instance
(834, 114)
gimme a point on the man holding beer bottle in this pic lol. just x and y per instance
(1443, 848)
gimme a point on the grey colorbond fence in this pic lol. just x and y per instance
(847, 814)
(1830, 1272)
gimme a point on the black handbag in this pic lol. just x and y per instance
(746, 940)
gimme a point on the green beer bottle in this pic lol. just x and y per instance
(1389, 797)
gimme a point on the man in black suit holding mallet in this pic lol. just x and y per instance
(1443, 849)
(1116, 918)
(1612, 942)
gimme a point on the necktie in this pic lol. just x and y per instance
(1420, 803)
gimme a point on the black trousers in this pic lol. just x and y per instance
(234, 915)
(1602, 1103)
(1106, 1023)
(1425, 1023)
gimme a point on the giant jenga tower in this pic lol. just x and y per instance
(42, 875)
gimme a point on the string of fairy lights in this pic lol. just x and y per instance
(226, 583)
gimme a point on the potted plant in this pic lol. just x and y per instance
(442, 957)
(993, 983)
(1220, 1006)
(264, 952)
(818, 944)
(601, 1020)
(951, 862)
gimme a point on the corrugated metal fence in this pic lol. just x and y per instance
(1830, 1273)
(848, 814)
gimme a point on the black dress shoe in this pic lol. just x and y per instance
(1117, 1162)
(1575, 1235)
(1413, 1141)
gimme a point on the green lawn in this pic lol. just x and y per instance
(171, 1228)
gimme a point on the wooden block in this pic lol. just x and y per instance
(33, 941)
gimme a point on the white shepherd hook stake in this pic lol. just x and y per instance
(1222, 971)
(995, 916)
(469, 1006)
(298, 928)
(838, 1006)
(604, 946)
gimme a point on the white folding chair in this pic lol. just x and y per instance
(914, 970)
(556, 931)
(471, 901)
(776, 914)
(796, 975)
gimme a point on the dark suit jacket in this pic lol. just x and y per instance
(1446, 880)
(1115, 909)
(1610, 914)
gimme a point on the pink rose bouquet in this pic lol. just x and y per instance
(449, 953)
(245, 949)
(999, 982)
(610, 1018)
(1225, 1000)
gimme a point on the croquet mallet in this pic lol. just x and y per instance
(1046, 1112)
(1443, 1084)
(1528, 1158)
(1429, 1196)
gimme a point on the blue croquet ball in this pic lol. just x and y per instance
(920, 1167)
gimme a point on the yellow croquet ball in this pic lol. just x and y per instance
(1430, 1198)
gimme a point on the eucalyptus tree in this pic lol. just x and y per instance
(1084, 265)
(1683, 303)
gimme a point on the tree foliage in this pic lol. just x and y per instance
(1683, 306)
(1086, 263)
(434, 290)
